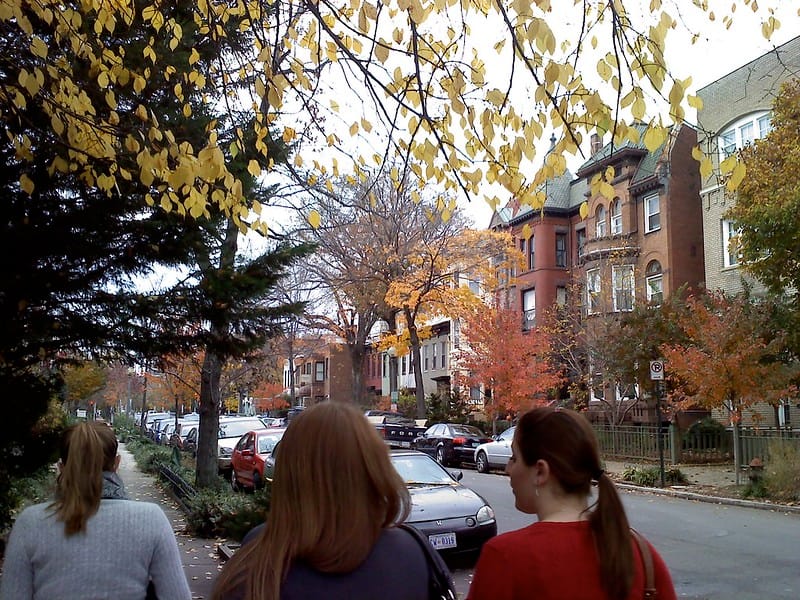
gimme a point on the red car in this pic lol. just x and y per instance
(249, 454)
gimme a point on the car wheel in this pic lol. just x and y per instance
(234, 482)
(440, 456)
(258, 483)
(481, 463)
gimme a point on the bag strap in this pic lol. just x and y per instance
(441, 583)
(650, 590)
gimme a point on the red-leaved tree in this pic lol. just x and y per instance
(501, 357)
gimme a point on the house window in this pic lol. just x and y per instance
(443, 350)
(654, 282)
(764, 125)
(523, 248)
(730, 244)
(561, 249)
(425, 356)
(474, 287)
(652, 213)
(475, 396)
(743, 132)
(593, 291)
(616, 217)
(600, 218)
(746, 134)
(434, 354)
(531, 253)
(727, 142)
(529, 308)
(580, 240)
(622, 281)
(319, 371)
(561, 295)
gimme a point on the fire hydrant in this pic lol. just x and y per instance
(756, 471)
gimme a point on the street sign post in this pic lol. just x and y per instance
(657, 370)
(657, 375)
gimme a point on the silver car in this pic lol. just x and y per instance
(495, 454)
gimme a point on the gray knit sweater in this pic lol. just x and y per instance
(125, 544)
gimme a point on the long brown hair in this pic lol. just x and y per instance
(87, 449)
(566, 440)
(333, 492)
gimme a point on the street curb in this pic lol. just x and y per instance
(710, 499)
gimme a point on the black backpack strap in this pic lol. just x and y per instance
(440, 584)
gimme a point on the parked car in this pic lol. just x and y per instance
(455, 518)
(495, 454)
(274, 421)
(451, 443)
(231, 429)
(249, 456)
(396, 430)
(188, 437)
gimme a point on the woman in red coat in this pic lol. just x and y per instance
(575, 551)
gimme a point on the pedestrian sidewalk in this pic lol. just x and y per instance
(200, 558)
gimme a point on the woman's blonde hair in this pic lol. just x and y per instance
(87, 449)
(334, 490)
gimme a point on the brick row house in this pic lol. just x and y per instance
(636, 247)
(736, 112)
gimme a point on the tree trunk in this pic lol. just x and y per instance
(357, 372)
(206, 468)
(419, 384)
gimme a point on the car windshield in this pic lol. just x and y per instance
(267, 442)
(230, 429)
(421, 470)
(466, 430)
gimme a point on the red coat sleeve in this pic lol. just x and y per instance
(666, 590)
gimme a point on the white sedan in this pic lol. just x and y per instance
(495, 454)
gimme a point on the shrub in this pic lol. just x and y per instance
(650, 476)
(782, 473)
(222, 513)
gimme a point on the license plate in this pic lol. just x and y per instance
(405, 444)
(440, 541)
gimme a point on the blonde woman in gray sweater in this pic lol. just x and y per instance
(91, 543)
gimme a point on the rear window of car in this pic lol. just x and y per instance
(266, 443)
(467, 430)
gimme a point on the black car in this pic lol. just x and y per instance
(455, 519)
(451, 443)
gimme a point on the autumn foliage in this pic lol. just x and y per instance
(730, 360)
(509, 361)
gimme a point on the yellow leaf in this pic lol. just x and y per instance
(314, 219)
(527, 231)
(381, 52)
(38, 47)
(354, 129)
(654, 137)
(695, 102)
(254, 168)
(57, 124)
(706, 168)
(737, 176)
(584, 210)
(727, 165)
(26, 184)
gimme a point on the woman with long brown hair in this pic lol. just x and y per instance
(575, 550)
(92, 542)
(330, 532)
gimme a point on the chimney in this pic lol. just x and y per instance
(597, 144)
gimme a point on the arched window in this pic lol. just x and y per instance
(600, 218)
(616, 217)
(654, 283)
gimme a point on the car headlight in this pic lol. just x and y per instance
(485, 514)
(225, 451)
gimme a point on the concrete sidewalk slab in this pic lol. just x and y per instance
(200, 557)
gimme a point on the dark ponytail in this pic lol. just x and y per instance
(566, 440)
(87, 449)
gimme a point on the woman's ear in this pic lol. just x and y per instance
(542, 469)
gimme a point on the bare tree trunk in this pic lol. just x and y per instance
(419, 386)
(206, 470)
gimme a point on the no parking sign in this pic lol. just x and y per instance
(657, 370)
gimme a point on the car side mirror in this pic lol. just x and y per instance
(457, 475)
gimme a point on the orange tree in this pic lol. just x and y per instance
(732, 359)
(503, 358)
